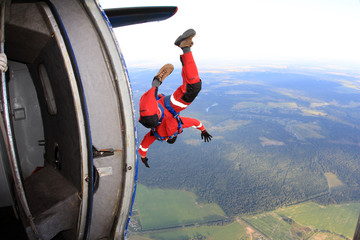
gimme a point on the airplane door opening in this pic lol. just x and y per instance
(48, 123)
(71, 116)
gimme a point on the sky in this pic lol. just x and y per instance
(246, 31)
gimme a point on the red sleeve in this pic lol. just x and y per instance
(145, 144)
(192, 122)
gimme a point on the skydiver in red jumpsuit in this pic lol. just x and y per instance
(161, 113)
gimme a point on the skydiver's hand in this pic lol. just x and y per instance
(145, 160)
(206, 136)
(3, 62)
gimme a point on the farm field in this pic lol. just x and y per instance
(230, 231)
(271, 225)
(339, 219)
(174, 214)
(160, 208)
(308, 221)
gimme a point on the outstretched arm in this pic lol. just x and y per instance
(144, 147)
(192, 122)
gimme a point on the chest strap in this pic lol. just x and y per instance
(176, 116)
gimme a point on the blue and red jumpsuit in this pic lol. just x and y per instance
(179, 100)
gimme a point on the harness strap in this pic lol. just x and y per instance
(162, 113)
(176, 116)
(169, 107)
(161, 139)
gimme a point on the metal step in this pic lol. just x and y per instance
(53, 201)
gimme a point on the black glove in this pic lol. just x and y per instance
(145, 160)
(206, 136)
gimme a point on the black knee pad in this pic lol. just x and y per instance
(149, 121)
(192, 90)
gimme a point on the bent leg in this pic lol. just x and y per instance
(187, 92)
(148, 98)
(149, 111)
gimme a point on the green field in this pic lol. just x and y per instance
(340, 219)
(270, 225)
(308, 219)
(228, 232)
(158, 208)
(333, 180)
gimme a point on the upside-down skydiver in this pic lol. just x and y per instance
(161, 113)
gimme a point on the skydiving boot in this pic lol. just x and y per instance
(185, 40)
(165, 71)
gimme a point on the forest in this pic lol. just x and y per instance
(242, 176)
(276, 136)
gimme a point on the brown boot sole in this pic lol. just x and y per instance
(165, 71)
(185, 39)
(187, 42)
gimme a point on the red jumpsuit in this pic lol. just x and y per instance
(179, 100)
